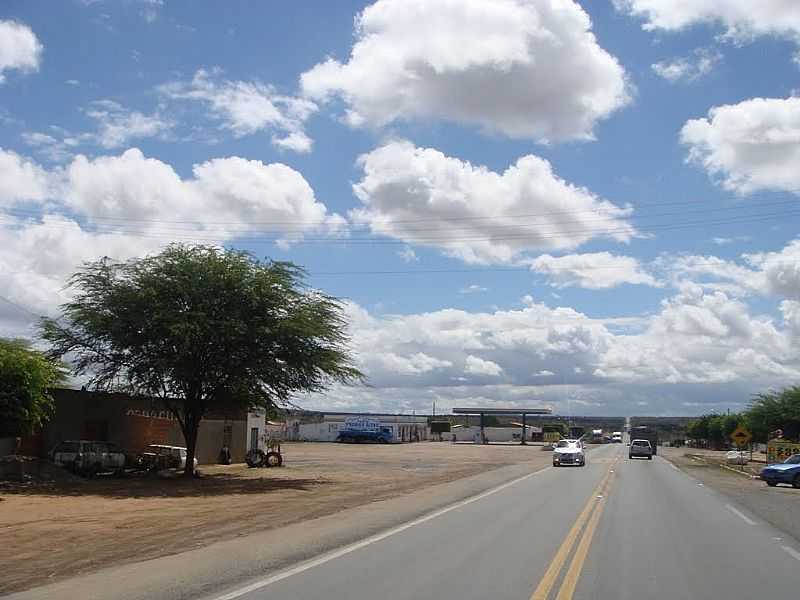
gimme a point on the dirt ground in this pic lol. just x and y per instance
(779, 506)
(68, 526)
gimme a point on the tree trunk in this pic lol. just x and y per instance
(190, 435)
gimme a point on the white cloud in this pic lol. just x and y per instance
(723, 241)
(20, 49)
(118, 125)
(473, 289)
(130, 205)
(524, 69)
(779, 271)
(225, 196)
(704, 340)
(750, 146)
(741, 19)
(474, 365)
(421, 196)
(595, 271)
(408, 255)
(689, 68)
(248, 107)
(21, 180)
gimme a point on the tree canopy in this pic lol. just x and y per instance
(26, 378)
(199, 326)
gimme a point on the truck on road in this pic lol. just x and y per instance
(616, 437)
(646, 433)
(597, 436)
(361, 429)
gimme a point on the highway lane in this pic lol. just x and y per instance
(614, 529)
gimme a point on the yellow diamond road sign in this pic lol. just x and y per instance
(741, 436)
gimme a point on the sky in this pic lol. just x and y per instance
(590, 206)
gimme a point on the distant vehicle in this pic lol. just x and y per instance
(569, 452)
(597, 436)
(88, 457)
(786, 472)
(640, 449)
(646, 433)
(736, 457)
(616, 437)
(157, 457)
(359, 429)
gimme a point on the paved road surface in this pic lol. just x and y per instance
(616, 529)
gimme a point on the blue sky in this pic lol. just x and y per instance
(585, 205)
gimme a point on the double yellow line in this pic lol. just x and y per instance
(590, 517)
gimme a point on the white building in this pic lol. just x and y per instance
(405, 428)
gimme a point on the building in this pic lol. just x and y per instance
(325, 427)
(135, 422)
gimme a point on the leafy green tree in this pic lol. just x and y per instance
(201, 327)
(776, 410)
(26, 378)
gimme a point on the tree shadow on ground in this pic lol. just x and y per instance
(56, 482)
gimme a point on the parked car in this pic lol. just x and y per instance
(736, 457)
(786, 472)
(569, 452)
(157, 457)
(88, 457)
(641, 449)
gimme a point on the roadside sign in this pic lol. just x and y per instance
(741, 436)
(780, 450)
(551, 436)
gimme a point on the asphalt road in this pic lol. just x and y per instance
(616, 529)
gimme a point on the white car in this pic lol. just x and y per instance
(157, 457)
(569, 452)
(736, 457)
(88, 457)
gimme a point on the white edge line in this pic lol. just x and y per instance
(321, 560)
(740, 514)
(794, 553)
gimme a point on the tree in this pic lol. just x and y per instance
(776, 410)
(200, 327)
(26, 378)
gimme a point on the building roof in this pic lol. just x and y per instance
(511, 412)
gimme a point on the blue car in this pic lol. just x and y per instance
(786, 472)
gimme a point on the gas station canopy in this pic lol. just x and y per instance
(505, 412)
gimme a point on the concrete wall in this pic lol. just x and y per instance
(493, 434)
(403, 429)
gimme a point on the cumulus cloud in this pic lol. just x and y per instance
(226, 196)
(248, 107)
(421, 196)
(750, 146)
(699, 346)
(741, 19)
(594, 271)
(688, 68)
(474, 365)
(21, 179)
(130, 205)
(20, 49)
(118, 125)
(520, 68)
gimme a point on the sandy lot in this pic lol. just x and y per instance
(71, 526)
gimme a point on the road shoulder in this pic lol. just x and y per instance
(779, 506)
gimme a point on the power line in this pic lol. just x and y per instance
(627, 230)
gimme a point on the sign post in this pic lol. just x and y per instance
(741, 437)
